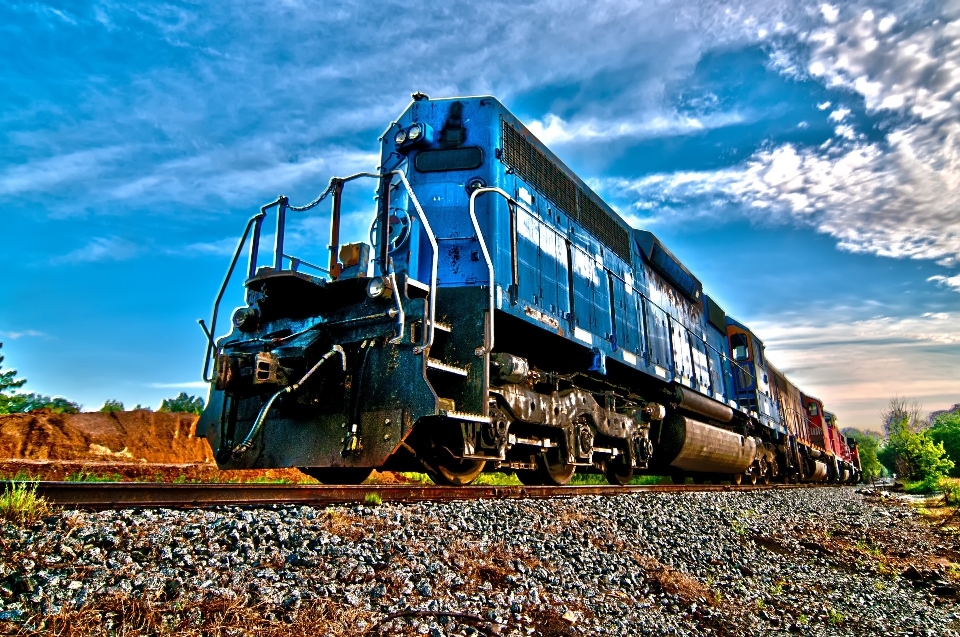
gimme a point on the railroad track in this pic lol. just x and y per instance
(138, 495)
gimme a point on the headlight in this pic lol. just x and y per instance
(378, 288)
(246, 319)
(401, 137)
(414, 132)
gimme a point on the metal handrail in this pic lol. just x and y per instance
(255, 220)
(488, 333)
(433, 269)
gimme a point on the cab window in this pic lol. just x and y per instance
(758, 348)
(812, 409)
(738, 345)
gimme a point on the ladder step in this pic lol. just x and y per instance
(433, 363)
(460, 415)
(443, 327)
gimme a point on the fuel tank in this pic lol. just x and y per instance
(819, 471)
(691, 445)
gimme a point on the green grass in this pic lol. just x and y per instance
(20, 503)
(85, 476)
(20, 476)
(501, 479)
(373, 499)
(497, 479)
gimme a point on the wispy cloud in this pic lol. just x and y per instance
(102, 249)
(554, 130)
(44, 175)
(857, 366)
(14, 335)
(191, 384)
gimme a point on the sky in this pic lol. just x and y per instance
(801, 158)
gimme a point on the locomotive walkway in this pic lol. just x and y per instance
(138, 495)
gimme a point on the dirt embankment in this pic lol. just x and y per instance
(128, 436)
(125, 445)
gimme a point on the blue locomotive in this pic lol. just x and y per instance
(502, 317)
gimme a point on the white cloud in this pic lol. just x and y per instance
(829, 12)
(839, 115)
(554, 131)
(947, 281)
(895, 196)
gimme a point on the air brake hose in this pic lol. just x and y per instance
(240, 450)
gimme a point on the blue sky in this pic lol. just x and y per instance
(803, 159)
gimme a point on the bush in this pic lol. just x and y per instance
(914, 455)
(946, 431)
(110, 406)
(183, 403)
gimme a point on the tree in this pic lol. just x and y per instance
(17, 403)
(914, 455)
(946, 431)
(8, 379)
(901, 410)
(867, 445)
(110, 406)
(24, 403)
(183, 403)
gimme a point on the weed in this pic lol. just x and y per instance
(834, 617)
(20, 503)
(760, 604)
(373, 499)
(777, 589)
(803, 620)
(497, 479)
(266, 480)
(85, 476)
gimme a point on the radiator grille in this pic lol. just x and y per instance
(531, 165)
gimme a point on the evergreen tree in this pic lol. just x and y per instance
(183, 403)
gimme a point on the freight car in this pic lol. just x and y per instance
(502, 317)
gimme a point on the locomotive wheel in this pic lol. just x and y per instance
(751, 478)
(736, 478)
(553, 470)
(618, 470)
(338, 475)
(448, 470)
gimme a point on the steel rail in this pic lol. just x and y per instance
(140, 495)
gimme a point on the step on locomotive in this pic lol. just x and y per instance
(502, 317)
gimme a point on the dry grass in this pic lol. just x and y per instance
(126, 616)
(674, 582)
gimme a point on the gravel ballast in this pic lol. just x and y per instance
(827, 561)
